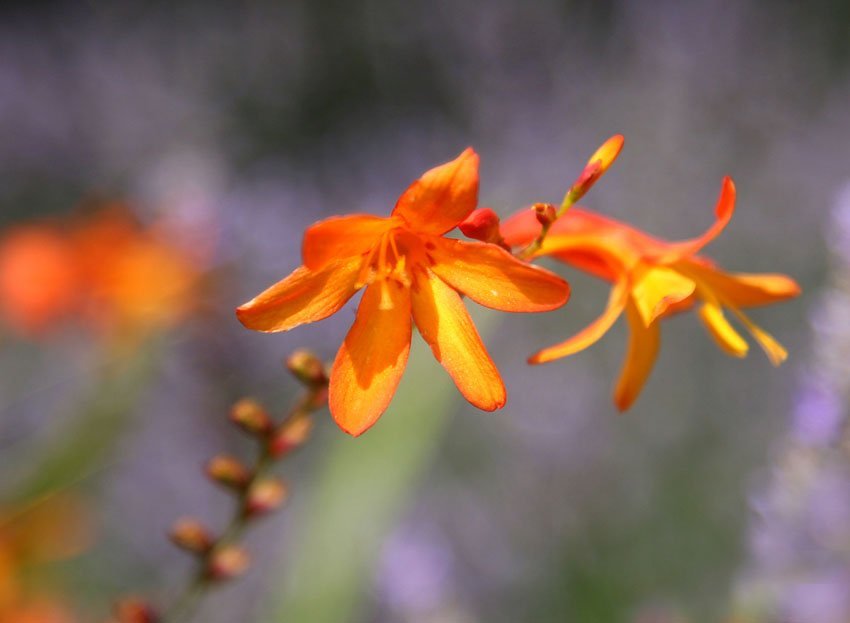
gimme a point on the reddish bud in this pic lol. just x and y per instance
(482, 224)
(134, 610)
(307, 368)
(250, 416)
(227, 563)
(228, 471)
(191, 535)
(596, 167)
(265, 496)
(545, 213)
(291, 434)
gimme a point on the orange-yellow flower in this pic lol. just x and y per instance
(653, 279)
(411, 274)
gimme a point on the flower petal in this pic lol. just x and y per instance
(442, 197)
(492, 277)
(656, 289)
(304, 296)
(592, 332)
(723, 211)
(727, 338)
(640, 357)
(341, 237)
(371, 360)
(745, 289)
(445, 324)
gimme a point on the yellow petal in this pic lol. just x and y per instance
(655, 289)
(304, 296)
(644, 342)
(443, 197)
(592, 332)
(775, 352)
(341, 237)
(745, 289)
(492, 277)
(727, 338)
(447, 328)
(371, 360)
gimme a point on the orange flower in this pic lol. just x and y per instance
(409, 271)
(653, 279)
(38, 278)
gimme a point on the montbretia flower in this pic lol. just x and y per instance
(653, 279)
(411, 274)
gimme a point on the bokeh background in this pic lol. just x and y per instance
(723, 495)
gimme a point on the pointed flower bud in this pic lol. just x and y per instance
(227, 563)
(307, 367)
(191, 535)
(598, 163)
(266, 495)
(228, 471)
(250, 416)
(545, 213)
(134, 610)
(291, 434)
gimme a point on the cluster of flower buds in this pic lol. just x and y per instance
(257, 493)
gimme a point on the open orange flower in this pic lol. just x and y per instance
(652, 279)
(411, 274)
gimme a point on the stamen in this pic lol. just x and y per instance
(773, 349)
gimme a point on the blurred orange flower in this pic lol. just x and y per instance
(51, 529)
(39, 282)
(653, 279)
(409, 270)
(103, 268)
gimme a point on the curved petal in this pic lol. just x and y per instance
(371, 360)
(492, 277)
(521, 228)
(644, 342)
(304, 296)
(447, 328)
(723, 211)
(443, 197)
(746, 289)
(342, 236)
(727, 338)
(592, 332)
(656, 289)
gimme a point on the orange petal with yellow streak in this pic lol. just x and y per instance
(447, 328)
(342, 237)
(443, 197)
(302, 297)
(371, 360)
(746, 289)
(592, 333)
(642, 351)
(492, 277)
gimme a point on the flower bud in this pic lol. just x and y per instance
(228, 471)
(482, 224)
(545, 213)
(191, 535)
(307, 367)
(134, 610)
(291, 434)
(598, 163)
(250, 416)
(265, 496)
(227, 563)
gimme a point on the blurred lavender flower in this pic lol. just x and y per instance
(799, 568)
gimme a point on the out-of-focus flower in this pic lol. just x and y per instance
(47, 530)
(39, 280)
(104, 268)
(653, 279)
(409, 269)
